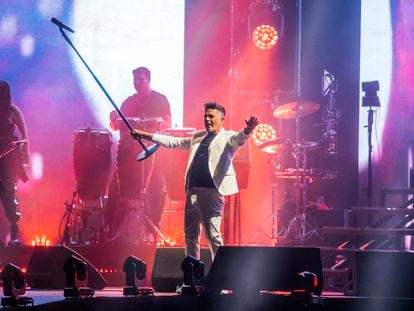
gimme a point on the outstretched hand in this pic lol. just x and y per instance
(138, 134)
(251, 124)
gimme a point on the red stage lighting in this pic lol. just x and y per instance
(265, 23)
(263, 133)
(265, 37)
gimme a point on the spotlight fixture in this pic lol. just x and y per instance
(14, 285)
(265, 23)
(305, 285)
(263, 133)
(76, 270)
(370, 98)
(135, 268)
(193, 276)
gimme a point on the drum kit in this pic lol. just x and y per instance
(301, 174)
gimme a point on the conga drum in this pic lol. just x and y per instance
(133, 176)
(91, 162)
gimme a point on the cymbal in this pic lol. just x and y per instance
(308, 145)
(275, 145)
(292, 173)
(296, 109)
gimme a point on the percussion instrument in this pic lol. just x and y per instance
(152, 124)
(310, 174)
(295, 110)
(307, 145)
(91, 161)
(275, 145)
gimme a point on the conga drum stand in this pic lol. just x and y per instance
(134, 179)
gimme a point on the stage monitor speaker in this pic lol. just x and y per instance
(45, 269)
(382, 274)
(253, 269)
(167, 274)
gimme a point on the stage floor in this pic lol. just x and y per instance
(108, 260)
(112, 299)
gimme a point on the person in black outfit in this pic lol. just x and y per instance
(14, 156)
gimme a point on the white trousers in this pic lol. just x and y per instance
(203, 207)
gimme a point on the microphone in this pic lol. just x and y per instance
(61, 25)
(20, 142)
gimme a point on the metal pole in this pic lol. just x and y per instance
(298, 54)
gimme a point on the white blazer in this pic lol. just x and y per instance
(220, 155)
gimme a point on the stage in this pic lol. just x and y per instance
(382, 281)
(112, 299)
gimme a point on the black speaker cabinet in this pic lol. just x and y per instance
(167, 274)
(251, 269)
(382, 274)
(45, 270)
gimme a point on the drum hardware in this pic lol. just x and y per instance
(330, 114)
(296, 110)
(147, 151)
(136, 220)
(273, 217)
(79, 228)
(134, 203)
(68, 214)
(274, 148)
(297, 228)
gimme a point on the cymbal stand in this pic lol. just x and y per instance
(274, 215)
(297, 226)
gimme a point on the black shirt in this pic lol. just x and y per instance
(199, 174)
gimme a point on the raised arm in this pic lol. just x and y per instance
(164, 140)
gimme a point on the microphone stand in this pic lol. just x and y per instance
(147, 150)
(369, 126)
(69, 210)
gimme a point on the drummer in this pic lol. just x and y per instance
(145, 105)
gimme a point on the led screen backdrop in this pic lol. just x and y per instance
(386, 56)
(58, 95)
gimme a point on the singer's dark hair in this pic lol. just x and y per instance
(214, 105)
(143, 70)
(5, 96)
